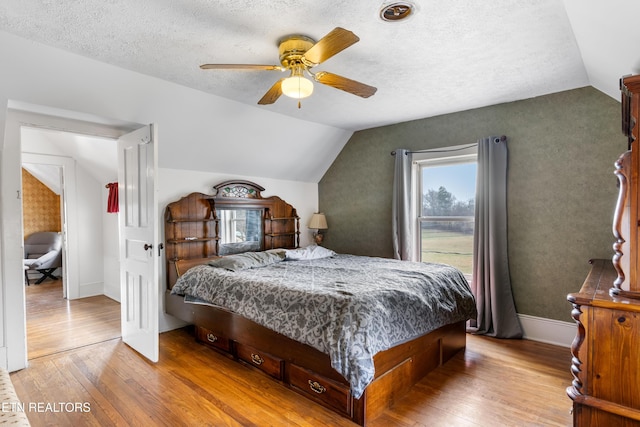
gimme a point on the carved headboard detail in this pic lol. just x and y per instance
(238, 189)
(236, 218)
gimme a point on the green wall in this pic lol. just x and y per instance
(561, 187)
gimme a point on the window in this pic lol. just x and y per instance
(446, 181)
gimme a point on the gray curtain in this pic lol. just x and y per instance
(402, 216)
(491, 283)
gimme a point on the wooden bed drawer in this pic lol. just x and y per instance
(320, 389)
(265, 362)
(212, 339)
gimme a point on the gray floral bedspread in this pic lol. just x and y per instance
(349, 307)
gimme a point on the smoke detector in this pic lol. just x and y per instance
(398, 11)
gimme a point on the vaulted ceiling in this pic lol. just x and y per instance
(447, 56)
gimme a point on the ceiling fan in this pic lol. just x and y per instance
(298, 55)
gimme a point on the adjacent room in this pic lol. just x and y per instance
(64, 172)
(394, 199)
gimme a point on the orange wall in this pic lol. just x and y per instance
(40, 206)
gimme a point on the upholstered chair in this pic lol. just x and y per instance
(42, 253)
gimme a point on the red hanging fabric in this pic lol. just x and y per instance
(112, 201)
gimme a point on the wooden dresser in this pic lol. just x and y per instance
(606, 351)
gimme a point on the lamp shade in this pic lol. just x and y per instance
(296, 86)
(318, 221)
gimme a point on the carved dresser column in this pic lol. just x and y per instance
(576, 364)
(626, 225)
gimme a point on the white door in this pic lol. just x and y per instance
(138, 241)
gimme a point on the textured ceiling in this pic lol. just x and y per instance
(449, 56)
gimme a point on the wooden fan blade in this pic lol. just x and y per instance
(336, 41)
(272, 94)
(345, 84)
(240, 67)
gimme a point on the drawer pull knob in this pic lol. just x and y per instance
(255, 358)
(317, 387)
(212, 338)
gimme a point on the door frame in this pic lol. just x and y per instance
(13, 353)
(68, 211)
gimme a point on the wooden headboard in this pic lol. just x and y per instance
(193, 229)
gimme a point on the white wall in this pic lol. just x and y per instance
(90, 234)
(111, 249)
(197, 131)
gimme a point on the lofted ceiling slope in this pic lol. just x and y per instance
(448, 56)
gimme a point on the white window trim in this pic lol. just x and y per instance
(446, 155)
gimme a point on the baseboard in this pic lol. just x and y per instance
(547, 330)
(91, 289)
(114, 295)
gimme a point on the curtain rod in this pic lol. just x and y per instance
(437, 150)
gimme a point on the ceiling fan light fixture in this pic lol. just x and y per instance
(299, 54)
(297, 86)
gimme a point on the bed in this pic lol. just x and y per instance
(351, 333)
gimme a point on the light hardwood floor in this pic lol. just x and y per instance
(493, 383)
(55, 324)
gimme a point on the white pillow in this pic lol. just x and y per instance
(310, 252)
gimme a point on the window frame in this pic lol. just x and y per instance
(445, 156)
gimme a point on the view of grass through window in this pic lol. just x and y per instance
(447, 214)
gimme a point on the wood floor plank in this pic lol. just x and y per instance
(56, 324)
(493, 383)
(105, 413)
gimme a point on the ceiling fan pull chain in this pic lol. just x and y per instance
(299, 104)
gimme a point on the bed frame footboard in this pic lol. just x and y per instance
(308, 371)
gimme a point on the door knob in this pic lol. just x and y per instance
(147, 246)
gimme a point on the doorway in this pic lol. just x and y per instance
(42, 219)
(20, 116)
(82, 307)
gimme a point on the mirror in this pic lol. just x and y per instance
(240, 230)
